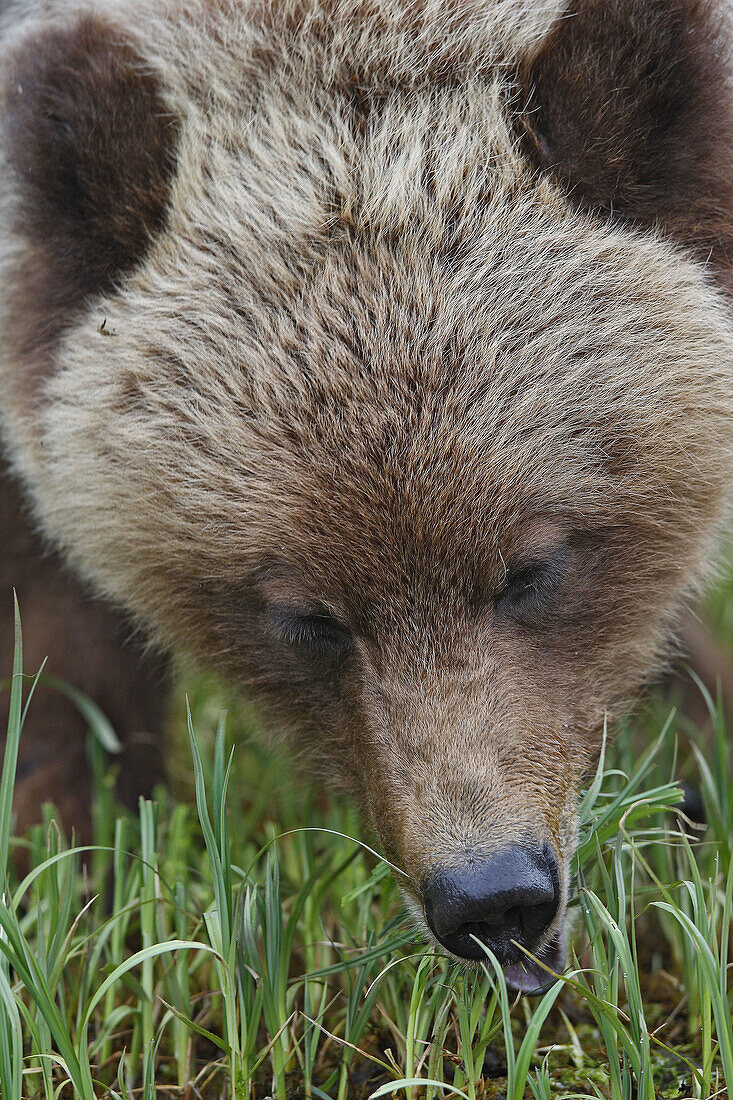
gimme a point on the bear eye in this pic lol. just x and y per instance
(528, 590)
(317, 633)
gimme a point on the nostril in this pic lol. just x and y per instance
(514, 895)
(512, 916)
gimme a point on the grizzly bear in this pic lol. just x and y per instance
(377, 354)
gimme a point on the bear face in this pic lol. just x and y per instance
(375, 414)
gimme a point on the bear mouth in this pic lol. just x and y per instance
(532, 975)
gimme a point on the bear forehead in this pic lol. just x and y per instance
(543, 325)
(540, 365)
(323, 255)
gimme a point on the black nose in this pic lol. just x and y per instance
(514, 895)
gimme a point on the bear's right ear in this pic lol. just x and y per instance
(90, 146)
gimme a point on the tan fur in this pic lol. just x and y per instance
(373, 360)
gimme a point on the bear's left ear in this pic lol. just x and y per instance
(630, 105)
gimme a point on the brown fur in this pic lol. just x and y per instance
(88, 645)
(703, 660)
(90, 145)
(384, 366)
(628, 104)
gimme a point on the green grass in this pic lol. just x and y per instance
(240, 939)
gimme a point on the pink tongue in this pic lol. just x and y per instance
(528, 976)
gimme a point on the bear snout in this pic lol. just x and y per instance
(509, 898)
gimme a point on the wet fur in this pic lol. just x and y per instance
(416, 295)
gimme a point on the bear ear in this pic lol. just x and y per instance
(90, 148)
(630, 105)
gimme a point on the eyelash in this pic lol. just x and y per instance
(525, 593)
(318, 634)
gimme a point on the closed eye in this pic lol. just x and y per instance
(317, 634)
(530, 591)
